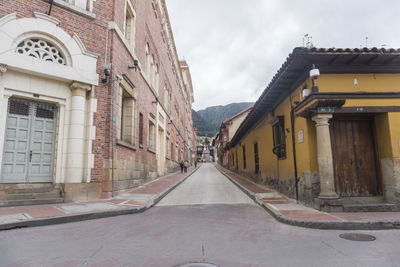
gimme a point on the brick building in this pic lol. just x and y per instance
(93, 98)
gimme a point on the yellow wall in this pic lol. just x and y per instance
(387, 125)
(366, 83)
(269, 164)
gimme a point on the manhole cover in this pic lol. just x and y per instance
(197, 264)
(357, 237)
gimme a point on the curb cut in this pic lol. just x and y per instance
(323, 225)
(91, 215)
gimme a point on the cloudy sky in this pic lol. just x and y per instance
(234, 47)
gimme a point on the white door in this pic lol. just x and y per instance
(28, 155)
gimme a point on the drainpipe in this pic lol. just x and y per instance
(51, 7)
(296, 178)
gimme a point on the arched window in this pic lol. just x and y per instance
(41, 49)
(148, 61)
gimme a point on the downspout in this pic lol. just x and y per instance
(296, 179)
(51, 7)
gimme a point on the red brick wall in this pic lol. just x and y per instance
(93, 34)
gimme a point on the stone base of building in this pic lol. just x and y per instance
(76, 192)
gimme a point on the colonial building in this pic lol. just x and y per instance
(93, 98)
(326, 130)
(227, 130)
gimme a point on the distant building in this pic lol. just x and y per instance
(227, 131)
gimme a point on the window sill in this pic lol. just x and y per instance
(75, 9)
(127, 145)
(151, 150)
(141, 146)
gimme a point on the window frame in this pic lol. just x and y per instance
(279, 137)
(130, 36)
(256, 159)
(244, 157)
(141, 128)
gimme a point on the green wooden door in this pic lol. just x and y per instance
(28, 155)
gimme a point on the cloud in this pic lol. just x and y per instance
(235, 47)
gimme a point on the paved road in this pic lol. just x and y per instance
(207, 186)
(234, 233)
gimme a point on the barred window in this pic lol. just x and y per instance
(278, 130)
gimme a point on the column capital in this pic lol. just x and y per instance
(322, 119)
(80, 86)
(3, 68)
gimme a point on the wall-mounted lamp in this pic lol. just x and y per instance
(171, 120)
(314, 74)
(107, 74)
(156, 101)
(135, 65)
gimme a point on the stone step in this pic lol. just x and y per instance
(27, 188)
(370, 207)
(27, 202)
(51, 194)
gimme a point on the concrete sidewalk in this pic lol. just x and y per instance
(137, 200)
(287, 211)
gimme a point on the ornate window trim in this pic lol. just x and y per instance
(42, 48)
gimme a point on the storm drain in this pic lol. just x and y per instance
(197, 264)
(357, 237)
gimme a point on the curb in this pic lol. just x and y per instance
(323, 225)
(91, 215)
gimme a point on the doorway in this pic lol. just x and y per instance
(29, 142)
(355, 157)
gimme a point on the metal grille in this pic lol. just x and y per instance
(45, 111)
(18, 107)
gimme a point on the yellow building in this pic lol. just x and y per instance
(331, 118)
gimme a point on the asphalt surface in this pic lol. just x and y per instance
(202, 227)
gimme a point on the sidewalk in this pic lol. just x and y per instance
(137, 200)
(287, 211)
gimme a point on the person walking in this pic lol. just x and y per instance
(195, 163)
(181, 165)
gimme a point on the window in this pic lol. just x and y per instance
(130, 24)
(168, 148)
(42, 50)
(176, 151)
(257, 167)
(84, 4)
(152, 135)
(166, 98)
(148, 61)
(237, 165)
(126, 115)
(141, 130)
(244, 157)
(278, 130)
(156, 79)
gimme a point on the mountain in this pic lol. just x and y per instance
(207, 121)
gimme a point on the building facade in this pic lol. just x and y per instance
(93, 96)
(227, 130)
(328, 135)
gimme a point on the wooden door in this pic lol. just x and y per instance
(354, 157)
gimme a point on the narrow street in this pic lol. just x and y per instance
(206, 219)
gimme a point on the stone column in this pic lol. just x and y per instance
(76, 134)
(3, 111)
(325, 161)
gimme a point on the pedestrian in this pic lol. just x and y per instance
(181, 165)
(185, 166)
(195, 163)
